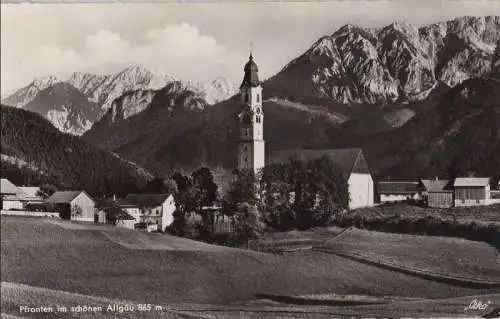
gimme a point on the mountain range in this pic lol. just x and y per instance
(135, 85)
(399, 62)
(420, 101)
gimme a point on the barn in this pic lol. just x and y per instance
(74, 205)
(437, 193)
(472, 191)
(391, 192)
(352, 163)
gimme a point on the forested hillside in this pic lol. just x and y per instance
(34, 152)
(460, 135)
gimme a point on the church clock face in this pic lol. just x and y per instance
(258, 110)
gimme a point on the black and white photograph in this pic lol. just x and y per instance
(250, 159)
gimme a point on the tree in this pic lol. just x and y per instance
(188, 200)
(243, 189)
(495, 62)
(204, 181)
(247, 222)
(276, 200)
(160, 186)
(303, 194)
(47, 190)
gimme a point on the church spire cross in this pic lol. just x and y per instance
(251, 47)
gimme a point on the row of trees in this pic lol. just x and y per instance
(293, 195)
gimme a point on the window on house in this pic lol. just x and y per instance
(245, 147)
(246, 159)
(258, 97)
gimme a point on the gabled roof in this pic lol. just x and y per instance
(471, 181)
(118, 202)
(432, 185)
(147, 200)
(61, 197)
(30, 191)
(7, 187)
(349, 160)
(397, 187)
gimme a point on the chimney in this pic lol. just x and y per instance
(114, 197)
(437, 178)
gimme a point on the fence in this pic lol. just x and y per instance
(29, 213)
(223, 225)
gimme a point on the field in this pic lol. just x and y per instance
(485, 214)
(450, 256)
(69, 261)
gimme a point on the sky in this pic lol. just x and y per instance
(191, 41)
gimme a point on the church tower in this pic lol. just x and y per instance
(251, 121)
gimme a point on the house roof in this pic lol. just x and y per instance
(349, 160)
(119, 202)
(30, 191)
(431, 185)
(397, 187)
(7, 187)
(118, 213)
(471, 182)
(147, 200)
(64, 196)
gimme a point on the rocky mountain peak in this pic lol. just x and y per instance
(45, 81)
(398, 62)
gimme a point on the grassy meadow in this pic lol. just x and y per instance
(119, 264)
(450, 256)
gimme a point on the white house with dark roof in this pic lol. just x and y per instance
(472, 191)
(391, 192)
(74, 205)
(155, 209)
(352, 163)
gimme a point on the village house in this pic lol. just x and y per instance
(391, 192)
(437, 193)
(352, 164)
(10, 195)
(74, 205)
(119, 212)
(472, 191)
(155, 209)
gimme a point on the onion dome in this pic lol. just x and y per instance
(251, 78)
